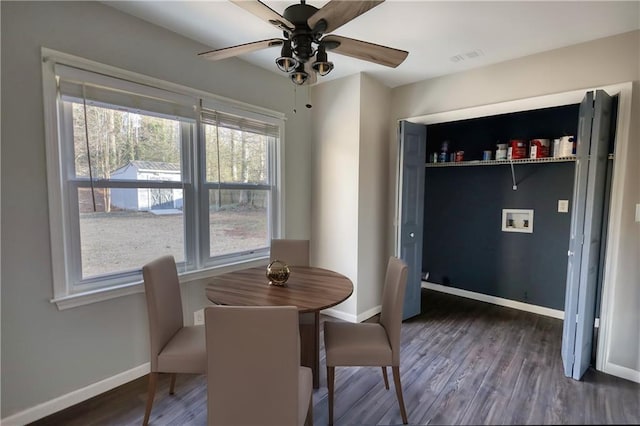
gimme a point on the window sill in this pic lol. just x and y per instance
(99, 295)
(85, 298)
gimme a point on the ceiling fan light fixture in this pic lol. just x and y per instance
(299, 76)
(286, 62)
(322, 66)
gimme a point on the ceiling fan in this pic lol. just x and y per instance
(305, 45)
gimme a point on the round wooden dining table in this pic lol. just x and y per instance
(308, 288)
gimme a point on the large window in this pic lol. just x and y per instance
(140, 168)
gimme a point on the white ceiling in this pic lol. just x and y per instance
(435, 33)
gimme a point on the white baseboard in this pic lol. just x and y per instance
(72, 398)
(350, 317)
(368, 314)
(340, 315)
(554, 313)
(624, 372)
(541, 310)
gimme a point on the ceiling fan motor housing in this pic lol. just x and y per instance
(303, 37)
(302, 47)
(298, 14)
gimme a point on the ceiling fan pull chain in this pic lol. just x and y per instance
(308, 105)
(294, 100)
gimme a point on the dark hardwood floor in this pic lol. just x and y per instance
(462, 362)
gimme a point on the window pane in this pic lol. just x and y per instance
(123, 239)
(238, 220)
(125, 145)
(235, 156)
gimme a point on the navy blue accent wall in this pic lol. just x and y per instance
(464, 245)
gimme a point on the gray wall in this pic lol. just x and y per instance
(336, 166)
(47, 353)
(373, 187)
(598, 63)
(349, 163)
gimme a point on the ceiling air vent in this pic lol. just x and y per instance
(469, 55)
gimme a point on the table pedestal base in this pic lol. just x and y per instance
(310, 344)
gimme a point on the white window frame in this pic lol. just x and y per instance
(67, 292)
(70, 184)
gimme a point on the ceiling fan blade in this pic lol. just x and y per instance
(371, 52)
(338, 12)
(228, 52)
(265, 13)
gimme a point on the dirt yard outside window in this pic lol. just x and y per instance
(124, 241)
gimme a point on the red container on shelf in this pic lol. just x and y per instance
(517, 148)
(539, 148)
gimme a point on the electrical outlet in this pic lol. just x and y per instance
(198, 317)
(563, 206)
(637, 212)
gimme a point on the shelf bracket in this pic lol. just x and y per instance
(513, 176)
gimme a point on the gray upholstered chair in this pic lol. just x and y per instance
(371, 344)
(254, 375)
(175, 348)
(291, 252)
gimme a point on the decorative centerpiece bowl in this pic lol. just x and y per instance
(278, 273)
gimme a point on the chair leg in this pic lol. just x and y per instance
(384, 376)
(308, 421)
(172, 385)
(153, 380)
(396, 381)
(330, 382)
